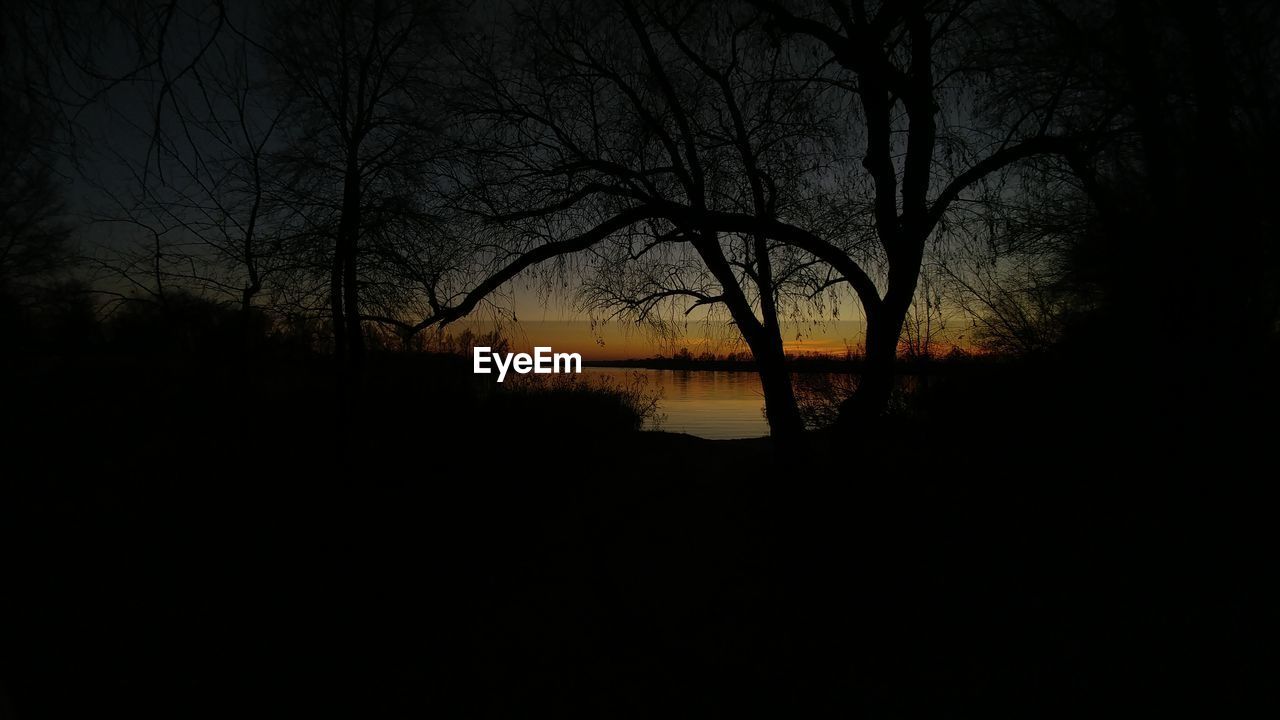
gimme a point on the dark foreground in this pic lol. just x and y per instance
(187, 542)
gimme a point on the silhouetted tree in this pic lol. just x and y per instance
(203, 201)
(616, 126)
(908, 63)
(362, 122)
(668, 140)
(1152, 231)
(35, 235)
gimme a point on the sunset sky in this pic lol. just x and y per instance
(556, 323)
(617, 341)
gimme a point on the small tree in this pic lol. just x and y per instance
(202, 202)
(34, 237)
(358, 76)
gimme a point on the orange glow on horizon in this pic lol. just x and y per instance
(620, 342)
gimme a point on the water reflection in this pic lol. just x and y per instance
(714, 404)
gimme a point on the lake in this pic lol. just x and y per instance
(713, 404)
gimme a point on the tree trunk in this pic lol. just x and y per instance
(765, 342)
(884, 328)
(875, 384)
(348, 237)
(355, 330)
(779, 396)
(338, 319)
(248, 329)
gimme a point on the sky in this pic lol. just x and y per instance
(620, 341)
(554, 320)
(543, 321)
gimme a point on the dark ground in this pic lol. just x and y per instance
(188, 541)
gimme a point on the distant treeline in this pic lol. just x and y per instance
(70, 319)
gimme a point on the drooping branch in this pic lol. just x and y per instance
(687, 220)
(445, 315)
(1000, 159)
(645, 304)
(785, 233)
